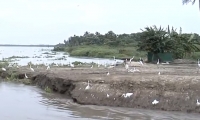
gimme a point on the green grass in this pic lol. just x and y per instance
(47, 89)
(105, 51)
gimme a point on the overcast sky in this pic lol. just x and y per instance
(52, 21)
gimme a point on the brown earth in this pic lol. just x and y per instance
(176, 89)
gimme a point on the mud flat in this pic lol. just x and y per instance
(177, 88)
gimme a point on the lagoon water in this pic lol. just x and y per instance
(22, 102)
(44, 55)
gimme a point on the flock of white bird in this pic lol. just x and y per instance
(125, 95)
(128, 95)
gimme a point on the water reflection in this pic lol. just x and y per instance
(113, 113)
(19, 102)
(43, 55)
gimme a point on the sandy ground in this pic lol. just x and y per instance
(177, 88)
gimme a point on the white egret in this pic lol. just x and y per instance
(111, 66)
(91, 66)
(4, 69)
(108, 96)
(98, 64)
(158, 62)
(155, 102)
(131, 59)
(158, 73)
(127, 95)
(48, 67)
(198, 103)
(108, 73)
(141, 62)
(198, 65)
(88, 86)
(133, 70)
(126, 66)
(26, 76)
(136, 70)
(9, 65)
(32, 68)
(72, 65)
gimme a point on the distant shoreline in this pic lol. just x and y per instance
(11, 45)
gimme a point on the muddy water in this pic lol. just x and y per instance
(20, 102)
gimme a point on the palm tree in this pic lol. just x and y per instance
(188, 1)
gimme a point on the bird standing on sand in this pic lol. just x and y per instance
(198, 65)
(26, 76)
(131, 59)
(32, 68)
(126, 66)
(127, 95)
(108, 96)
(155, 102)
(88, 86)
(158, 62)
(48, 67)
(141, 61)
(108, 73)
(198, 103)
(158, 73)
(72, 65)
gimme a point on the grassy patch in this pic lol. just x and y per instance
(105, 51)
(47, 89)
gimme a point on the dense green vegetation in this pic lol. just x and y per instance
(98, 45)
(160, 40)
(151, 39)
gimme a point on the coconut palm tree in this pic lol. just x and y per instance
(188, 1)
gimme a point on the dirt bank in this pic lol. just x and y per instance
(177, 88)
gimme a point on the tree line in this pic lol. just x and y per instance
(152, 39)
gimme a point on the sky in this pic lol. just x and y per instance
(53, 21)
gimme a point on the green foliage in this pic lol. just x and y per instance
(106, 52)
(47, 89)
(3, 64)
(155, 40)
(159, 41)
(77, 63)
(109, 39)
(151, 39)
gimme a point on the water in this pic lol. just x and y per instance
(21, 102)
(38, 55)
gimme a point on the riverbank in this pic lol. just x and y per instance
(176, 88)
(103, 51)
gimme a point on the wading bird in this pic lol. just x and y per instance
(88, 86)
(32, 68)
(108, 73)
(4, 69)
(198, 103)
(48, 67)
(155, 102)
(26, 76)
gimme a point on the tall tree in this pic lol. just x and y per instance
(188, 1)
